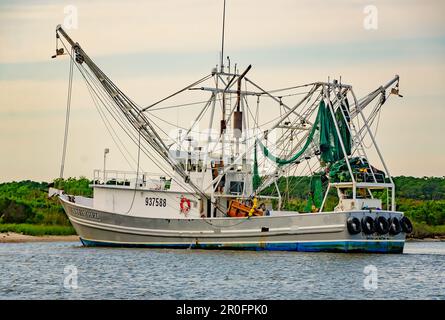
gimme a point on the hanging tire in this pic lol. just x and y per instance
(406, 225)
(354, 226)
(368, 225)
(381, 225)
(394, 226)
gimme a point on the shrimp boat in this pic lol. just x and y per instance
(234, 185)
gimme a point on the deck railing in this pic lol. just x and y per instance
(131, 179)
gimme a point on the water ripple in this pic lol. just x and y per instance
(36, 271)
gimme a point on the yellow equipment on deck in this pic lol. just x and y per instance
(239, 209)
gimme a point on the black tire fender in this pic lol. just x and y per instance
(381, 225)
(394, 226)
(354, 226)
(368, 225)
(406, 225)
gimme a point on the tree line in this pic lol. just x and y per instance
(422, 199)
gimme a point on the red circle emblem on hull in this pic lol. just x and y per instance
(185, 205)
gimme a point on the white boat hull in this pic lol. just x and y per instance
(290, 232)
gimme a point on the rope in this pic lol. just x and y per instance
(375, 113)
(67, 118)
(179, 91)
(110, 128)
(186, 186)
(180, 105)
(378, 120)
(123, 125)
(137, 173)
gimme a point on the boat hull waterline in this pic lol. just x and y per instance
(310, 232)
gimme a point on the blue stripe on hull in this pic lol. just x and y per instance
(331, 246)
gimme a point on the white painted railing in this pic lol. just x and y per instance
(131, 178)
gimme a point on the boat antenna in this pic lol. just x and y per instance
(222, 40)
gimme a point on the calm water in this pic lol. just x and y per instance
(36, 271)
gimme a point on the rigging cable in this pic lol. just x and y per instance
(137, 173)
(375, 113)
(126, 129)
(110, 128)
(104, 118)
(67, 118)
(179, 91)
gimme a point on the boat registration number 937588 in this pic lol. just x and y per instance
(155, 202)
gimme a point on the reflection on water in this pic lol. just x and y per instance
(36, 271)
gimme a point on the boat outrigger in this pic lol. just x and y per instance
(231, 188)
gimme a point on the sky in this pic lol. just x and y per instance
(152, 48)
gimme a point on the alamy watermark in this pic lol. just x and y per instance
(71, 277)
(371, 19)
(71, 20)
(370, 282)
(206, 145)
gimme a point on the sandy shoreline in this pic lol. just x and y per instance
(435, 239)
(11, 237)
